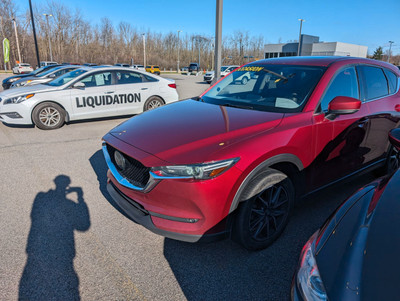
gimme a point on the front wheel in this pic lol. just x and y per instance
(152, 103)
(48, 116)
(264, 212)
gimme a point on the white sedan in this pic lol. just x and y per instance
(86, 93)
(22, 68)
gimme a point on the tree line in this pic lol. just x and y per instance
(75, 40)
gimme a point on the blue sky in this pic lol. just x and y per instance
(363, 22)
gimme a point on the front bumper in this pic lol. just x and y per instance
(143, 217)
(15, 113)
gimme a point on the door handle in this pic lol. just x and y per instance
(144, 89)
(109, 92)
(397, 108)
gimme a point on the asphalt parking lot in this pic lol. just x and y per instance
(57, 215)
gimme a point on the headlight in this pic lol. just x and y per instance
(196, 171)
(13, 79)
(308, 278)
(22, 83)
(18, 99)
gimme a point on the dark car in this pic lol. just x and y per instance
(7, 82)
(194, 67)
(355, 255)
(236, 159)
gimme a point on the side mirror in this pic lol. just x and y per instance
(394, 138)
(341, 105)
(78, 85)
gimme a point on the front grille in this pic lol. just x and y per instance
(135, 172)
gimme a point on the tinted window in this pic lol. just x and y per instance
(65, 78)
(375, 82)
(150, 79)
(126, 77)
(274, 88)
(97, 79)
(344, 84)
(392, 80)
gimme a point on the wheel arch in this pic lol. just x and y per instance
(289, 164)
(51, 101)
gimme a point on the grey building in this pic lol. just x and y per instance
(311, 46)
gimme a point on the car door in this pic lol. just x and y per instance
(339, 143)
(133, 89)
(378, 90)
(98, 97)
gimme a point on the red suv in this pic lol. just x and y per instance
(235, 160)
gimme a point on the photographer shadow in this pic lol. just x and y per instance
(49, 271)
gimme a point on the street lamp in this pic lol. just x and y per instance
(298, 48)
(179, 43)
(144, 49)
(390, 50)
(16, 38)
(48, 34)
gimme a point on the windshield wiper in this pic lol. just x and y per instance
(237, 106)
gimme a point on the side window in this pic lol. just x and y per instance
(374, 82)
(126, 77)
(344, 84)
(97, 79)
(150, 79)
(392, 80)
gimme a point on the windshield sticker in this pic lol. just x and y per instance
(253, 68)
(104, 100)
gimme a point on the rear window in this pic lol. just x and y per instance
(157, 67)
(392, 80)
(374, 82)
(25, 65)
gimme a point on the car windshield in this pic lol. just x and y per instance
(39, 70)
(65, 78)
(272, 88)
(44, 73)
(223, 68)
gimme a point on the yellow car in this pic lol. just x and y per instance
(153, 69)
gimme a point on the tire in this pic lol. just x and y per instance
(153, 102)
(244, 80)
(48, 116)
(266, 205)
(392, 163)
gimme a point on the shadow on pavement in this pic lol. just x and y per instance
(225, 271)
(49, 271)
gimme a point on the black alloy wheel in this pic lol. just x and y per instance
(269, 211)
(265, 207)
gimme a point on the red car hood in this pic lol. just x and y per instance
(190, 131)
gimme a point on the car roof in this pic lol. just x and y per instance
(323, 61)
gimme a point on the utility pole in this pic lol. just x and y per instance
(179, 44)
(144, 49)
(218, 40)
(390, 50)
(48, 34)
(301, 24)
(34, 34)
(16, 38)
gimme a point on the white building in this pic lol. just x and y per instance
(311, 46)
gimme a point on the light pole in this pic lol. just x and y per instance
(390, 50)
(16, 38)
(179, 44)
(218, 40)
(48, 34)
(298, 48)
(144, 49)
(34, 34)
